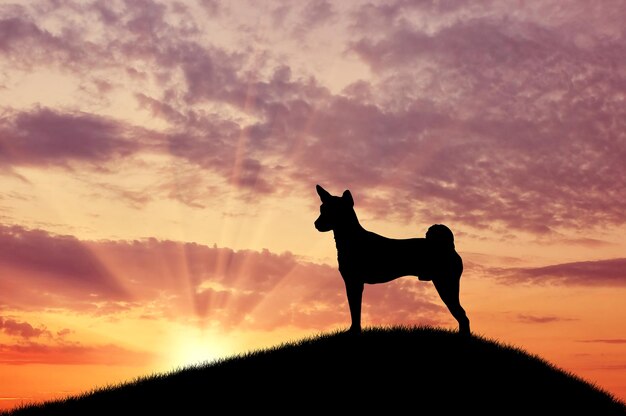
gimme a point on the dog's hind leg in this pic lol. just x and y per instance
(448, 288)
(354, 291)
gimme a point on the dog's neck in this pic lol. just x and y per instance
(347, 232)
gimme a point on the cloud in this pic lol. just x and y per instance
(21, 329)
(63, 332)
(608, 272)
(43, 265)
(618, 367)
(598, 21)
(35, 353)
(405, 301)
(316, 12)
(536, 319)
(606, 341)
(46, 137)
(187, 281)
(520, 149)
(499, 120)
(18, 34)
(593, 243)
(212, 7)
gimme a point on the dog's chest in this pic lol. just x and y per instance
(347, 252)
(358, 256)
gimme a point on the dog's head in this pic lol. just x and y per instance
(334, 210)
(441, 235)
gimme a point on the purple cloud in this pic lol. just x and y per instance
(252, 289)
(316, 12)
(45, 137)
(35, 353)
(17, 33)
(21, 329)
(606, 341)
(63, 332)
(523, 148)
(212, 7)
(36, 263)
(536, 319)
(609, 272)
(469, 117)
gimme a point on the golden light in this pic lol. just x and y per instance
(191, 346)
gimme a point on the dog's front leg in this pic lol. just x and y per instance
(354, 289)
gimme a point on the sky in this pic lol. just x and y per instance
(158, 163)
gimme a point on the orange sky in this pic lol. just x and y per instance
(158, 164)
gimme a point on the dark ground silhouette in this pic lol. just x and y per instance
(387, 371)
(366, 257)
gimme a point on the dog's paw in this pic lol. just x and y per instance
(354, 330)
(464, 330)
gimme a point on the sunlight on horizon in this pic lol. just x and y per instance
(192, 348)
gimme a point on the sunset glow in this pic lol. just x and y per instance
(158, 163)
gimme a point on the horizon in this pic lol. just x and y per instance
(158, 163)
(296, 368)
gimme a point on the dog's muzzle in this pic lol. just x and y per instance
(320, 226)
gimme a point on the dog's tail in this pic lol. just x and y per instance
(441, 235)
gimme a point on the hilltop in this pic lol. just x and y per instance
(389, 370)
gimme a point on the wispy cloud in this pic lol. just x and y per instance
(519, 148)
(541, 319)
(44, 265)
(606, 341)
(180, 281)
(46, 137)
(22, 329)
(610, 272)
(498, 119)
(36, 353)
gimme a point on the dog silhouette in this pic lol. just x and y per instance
(366, 257)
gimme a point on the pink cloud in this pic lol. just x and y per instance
(473, 115)
(29, 45)
(41, 265)
(610, 272)
(63, 332)
(21, 329)
(17, 33)
(35, 353)
(46, 137)
(607, 341)
(315, 13)
(405, 301)
(536, 319)
(173, 280)
(213, 7)
(514, 156)
(592, 243)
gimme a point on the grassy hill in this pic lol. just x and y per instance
(391, 371)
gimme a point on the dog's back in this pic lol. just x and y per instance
(379, 259)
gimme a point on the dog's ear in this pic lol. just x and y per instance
(323, 193)
(347, 196)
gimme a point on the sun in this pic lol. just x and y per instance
(195, 347)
